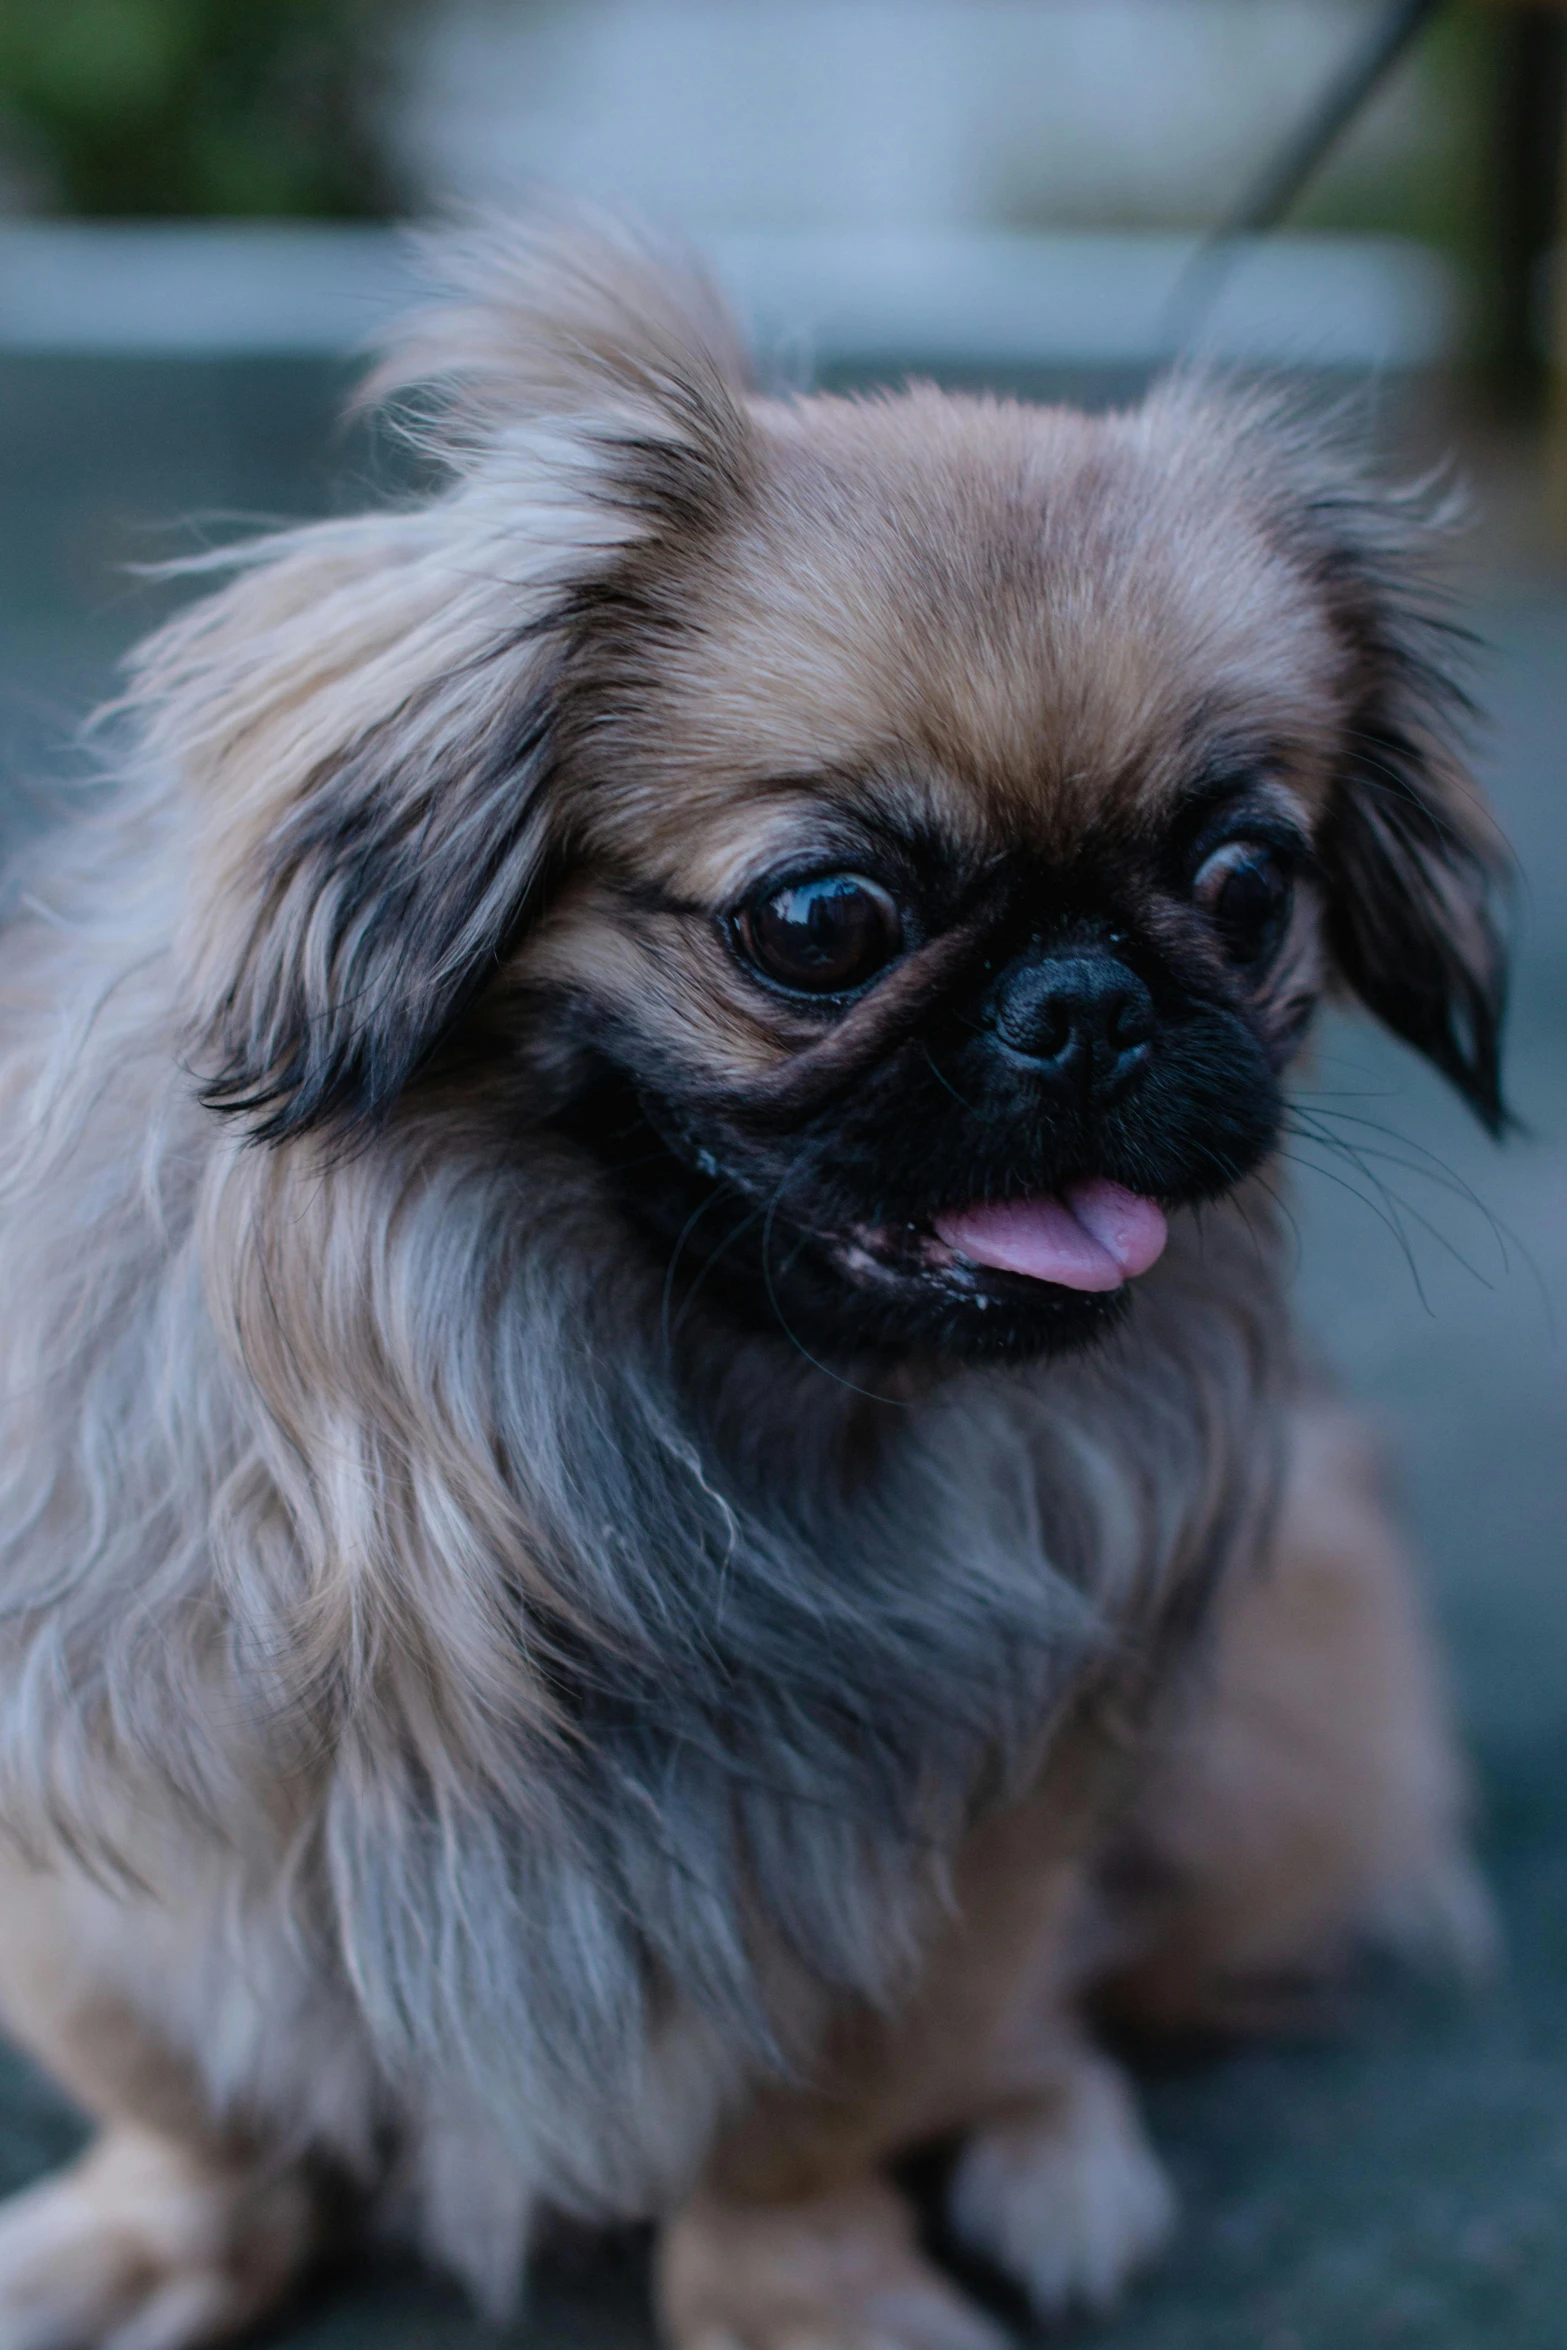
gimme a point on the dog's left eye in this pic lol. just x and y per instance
(823, 937)
(1245, 890)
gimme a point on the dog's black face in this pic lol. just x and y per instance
(1021, 1062)
(904, 861)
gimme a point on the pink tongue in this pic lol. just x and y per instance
(1093, 1236)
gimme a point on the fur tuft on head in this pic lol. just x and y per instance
(572, 317)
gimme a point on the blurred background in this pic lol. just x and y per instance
(199, 209)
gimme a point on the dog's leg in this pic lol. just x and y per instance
(169, 2232)
(145, 2244)
(1061, 2192)
(1313, 1797)
(1064, 2194)
(835, 2270)
(798, 2237)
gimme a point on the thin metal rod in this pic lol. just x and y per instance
(1289, 172)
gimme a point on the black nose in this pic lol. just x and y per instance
(1084, 1016)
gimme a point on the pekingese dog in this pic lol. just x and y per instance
(658, 1500)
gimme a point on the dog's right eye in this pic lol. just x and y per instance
(822, 937)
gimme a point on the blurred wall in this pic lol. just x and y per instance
(905, 113)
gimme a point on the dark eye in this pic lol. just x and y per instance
(1245, 890)
(824, 936)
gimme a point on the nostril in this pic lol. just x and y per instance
(1130, 1021)
(1042, 1024)
(1050, 1033)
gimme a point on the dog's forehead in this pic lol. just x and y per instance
(1032, 618)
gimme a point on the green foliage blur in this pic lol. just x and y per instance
(232, 107)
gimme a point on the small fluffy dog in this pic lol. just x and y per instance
(657, 1497)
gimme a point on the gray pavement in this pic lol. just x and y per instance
(1406, 2183)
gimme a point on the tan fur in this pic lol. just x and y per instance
(1311, 1794)
(480, 1726)
(149, 2244)
(839, 2268)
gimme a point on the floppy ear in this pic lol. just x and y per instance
(1411, 859)
(369, 719)
(371, 839)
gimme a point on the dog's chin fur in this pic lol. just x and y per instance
(517, 1576)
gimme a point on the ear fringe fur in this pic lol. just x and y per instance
(1417, 870)
(325, 706)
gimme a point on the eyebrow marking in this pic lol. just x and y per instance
(1253, 781)
(1229, 772)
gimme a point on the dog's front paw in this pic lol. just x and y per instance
(144, 2246)
(841, 2272)
(1065, 2195)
